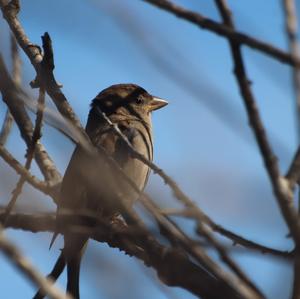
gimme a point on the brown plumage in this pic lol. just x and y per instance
(90, 186)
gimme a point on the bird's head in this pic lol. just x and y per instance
(127, 99)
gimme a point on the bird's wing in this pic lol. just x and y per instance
(86, 183)
(82, 168)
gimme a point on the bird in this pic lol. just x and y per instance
(91, 186)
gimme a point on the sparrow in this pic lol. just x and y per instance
(92, 186)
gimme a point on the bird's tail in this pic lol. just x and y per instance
(53, 239)
(55, 273)
(73, 272)
(73, 250)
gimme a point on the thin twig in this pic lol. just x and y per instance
(16, 61)
(44, 187)
(235, 238)
(36, 135)
(6, 127)
(23, 265)
(241, 282)
(16, 75)
(223, 254)
(12, 97)
(238, 239)
(225, 31)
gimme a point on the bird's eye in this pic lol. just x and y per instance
(139, 99)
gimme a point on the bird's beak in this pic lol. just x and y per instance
(157, 103)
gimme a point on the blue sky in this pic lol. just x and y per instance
(202, 139)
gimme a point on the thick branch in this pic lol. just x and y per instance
(173, 267)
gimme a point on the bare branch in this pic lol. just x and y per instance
(16, 75)
(53, 88)
(10, 9)
(44, 68)
(172, 232)
(235, 238)
(280, 185)
(225, 31)
(291, 30)
(6, 127)
(36, 135)
(16, 60)
(44, 187)
(202, 230)
(173, 267)
(293, 174)
(24, 266)
(12, 97)
(289, 8)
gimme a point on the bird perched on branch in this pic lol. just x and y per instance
(89, 185)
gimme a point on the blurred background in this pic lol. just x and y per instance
(202, 139)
